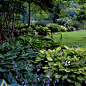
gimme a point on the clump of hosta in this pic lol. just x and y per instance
(68, 64)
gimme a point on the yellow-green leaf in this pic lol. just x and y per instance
(58, 49)
(49, 59)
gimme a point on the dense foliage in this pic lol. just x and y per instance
(70, 24)
(67, 65)
(56, 28)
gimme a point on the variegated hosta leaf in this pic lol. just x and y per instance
(49, 59)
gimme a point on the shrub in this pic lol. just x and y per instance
(63, 29)
(42, 23)
(77, 24)
(42, 30)
(67, 65)
(71, 29)
(67, 22)
(56, 28)
(70, 24)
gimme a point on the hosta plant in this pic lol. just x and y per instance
(37, 44)
(43, 30)
(67, 65)
(15, 62)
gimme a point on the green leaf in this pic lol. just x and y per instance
(45, 67)
(3, 70)
(80, 78)
(1, 56)
(49, 59)
(5, 44)
(20, 68)
(58, 49)
(77, 84)
(26, 54)
(64, 77)
(56, 75)
(33, 54)
(72, 75)
(69, 80)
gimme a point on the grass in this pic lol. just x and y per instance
(75, 38)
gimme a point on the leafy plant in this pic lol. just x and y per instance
(68, 65)
(37, 44)
(13, 59)
(42, 30)
(56, 28)
(42, 23)
(31, 30)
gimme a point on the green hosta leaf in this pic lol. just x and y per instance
(55, 64)
(46, 61)
(56, 75)
(8, 66)
(66, 47)
(85, 81)
(80, 78)
(58, 49)
(5, 44)
(45, 67)
(50, 64)
(72, 75)
(66, 70)
(3, 70)
(49, 59)
(29, 51)
(85, 76)
(17, 43)
(7, 54)
(26, 54)
(1, 56)
(69, 80)
(71, 51)
(54, 68)
(77, 84)
(64, 77)
(33, 54)
(38, 58)
(20, 68)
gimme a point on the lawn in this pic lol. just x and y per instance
(75, 38)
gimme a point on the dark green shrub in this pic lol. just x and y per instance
(70, 24)
(67, 22)
(67, 65)
(77, 24)
(42, 23)
(56, 28)
(71, 29)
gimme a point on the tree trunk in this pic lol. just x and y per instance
(2, 26)
(9, 26)
(13, 21)
(13, 25)
(29, 15)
